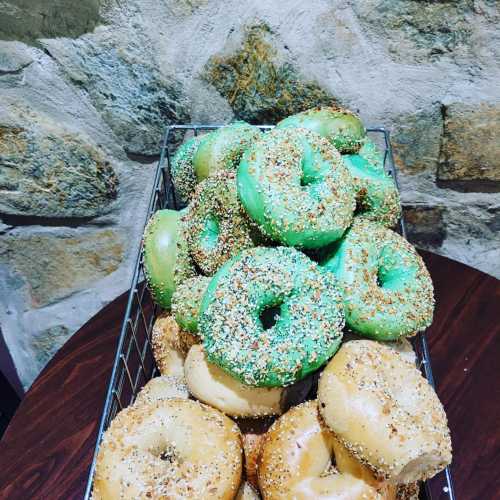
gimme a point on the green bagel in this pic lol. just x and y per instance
(186, 302)
(341, 127)
(306, 334)
(294, 185)
(387, 289)
(217, 226)
(161, 256)
(182, 170)
(223, 148)
(185, 267)
(376, 192)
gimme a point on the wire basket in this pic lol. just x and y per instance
(134, 364)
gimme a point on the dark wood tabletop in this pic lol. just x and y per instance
(47, 449)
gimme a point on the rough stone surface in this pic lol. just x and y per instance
(426, 30)
(56, 266)
(111, 75)
(48, 342)
(416, 138)
(259, 87)
(425, 226)
(124, 84)
(470, 152)
(28, 20)
(14, 57)
(46, 172)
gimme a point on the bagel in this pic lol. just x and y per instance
(296, 461)
(305, 335)
(294, 185)
(182, 169)
(347, 464)
(222, 148)
(161, 388)
(185, 266)
(217, 226)
(252, 446)
(341, 127)
(384, 412)
(161, 254)
(175, 448)
(170, 345)
(401, 345)
(186, 302)
(377, 195)
(387, 290)
(213, 386)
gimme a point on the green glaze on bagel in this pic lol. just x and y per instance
(183, 175)
(387, 289)
(185, 266)
(306, 333)
(294, 184)
(341, 127)
(217, 226)
(223, 148)
(160, 254)
(376, 192)
(186, 302)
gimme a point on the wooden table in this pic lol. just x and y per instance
(47, 449)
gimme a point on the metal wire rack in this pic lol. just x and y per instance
(134, 363)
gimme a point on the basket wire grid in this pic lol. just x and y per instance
(134, 364)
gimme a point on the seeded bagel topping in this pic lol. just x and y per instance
(186, 302)
(148, 452)
(217, 226)
(222, 149)
(377, 197)
(183, 175)
(294, 184)
(407, 438)
(341, 127)
(386, 287)
(184, 267)
(307, 326)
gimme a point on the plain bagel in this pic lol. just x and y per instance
(212, 385)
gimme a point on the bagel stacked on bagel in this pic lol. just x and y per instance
(271, 280)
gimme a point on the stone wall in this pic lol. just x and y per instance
(85, 92)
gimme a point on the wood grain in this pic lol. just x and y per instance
(47, 449)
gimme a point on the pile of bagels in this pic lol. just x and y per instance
(287, 299)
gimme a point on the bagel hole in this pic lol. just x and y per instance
(331, 467)
(270, 315)
(169, 455)
(380, 279)
(361, 202)
(210, 233)
(306, 181)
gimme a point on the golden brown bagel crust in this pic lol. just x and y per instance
(347, 464)
(172, 449)
(170, 345)
(252, 446)
(384, 412)
(161, 388)
(295, 462)
(213, 386)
